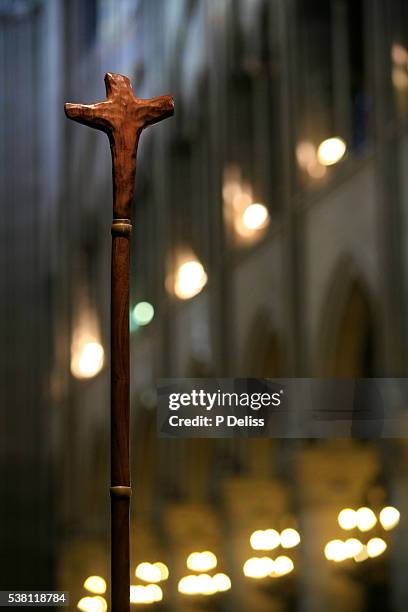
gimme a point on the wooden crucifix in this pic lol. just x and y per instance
(122, 117)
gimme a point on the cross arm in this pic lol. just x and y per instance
(96, 116)
(154, 110)
(122, 116)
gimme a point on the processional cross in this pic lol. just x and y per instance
(122, 117)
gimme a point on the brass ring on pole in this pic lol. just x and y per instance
(121, 227)
(120, 492)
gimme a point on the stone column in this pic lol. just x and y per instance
(331, 475)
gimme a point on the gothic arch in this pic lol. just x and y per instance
(348, 339)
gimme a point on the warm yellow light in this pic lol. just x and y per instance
(137, 594)
(329, 550)
(201, 561)
(331, 151)
(305, 153)
(399, 55)
(87, 359)
(204, 584)
(148, 572)
(154, 592)
(362, 555)
(389, 517)
(289, 538)
(241, 201)
(375, 547)
(316, 170)
(230, 190)
(353, 547)
(335, 550)
(188, 585)
(164, 570)
(147, 594)
(255, 217)
(399, 78)
(347, 519)
(92, 604)
(191, 278)
(366, 519)
(258, 567)
(95, 584)
(267, 539)
(222, 582)
(283, 565)
(103, 602)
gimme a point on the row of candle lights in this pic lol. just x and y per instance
(268, 540)
(364, 520)
(150, 573)
(202, 583)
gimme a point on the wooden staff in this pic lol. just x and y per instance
(122, 117)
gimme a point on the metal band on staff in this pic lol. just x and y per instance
(121, 227)
(120, 491)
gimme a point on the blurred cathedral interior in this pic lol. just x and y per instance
(270, 240)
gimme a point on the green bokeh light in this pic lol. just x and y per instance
(143, 313)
